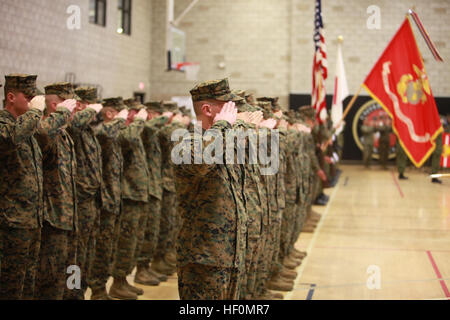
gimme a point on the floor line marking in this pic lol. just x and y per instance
(379, 249)
(385, 283)
(312, 242)
(397, 184)
(346, 181)
(311, 292)
(438, 273)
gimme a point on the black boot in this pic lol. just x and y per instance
(436, 180)
(402, 177)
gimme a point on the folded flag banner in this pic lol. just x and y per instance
(400, 84)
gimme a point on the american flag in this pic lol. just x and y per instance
(320, 67)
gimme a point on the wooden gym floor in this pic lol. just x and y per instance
(379, 238)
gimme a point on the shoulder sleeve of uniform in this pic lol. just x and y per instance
(82, 119)
(12, 134)
(53, 122)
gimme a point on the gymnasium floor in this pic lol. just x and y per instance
(378, 239)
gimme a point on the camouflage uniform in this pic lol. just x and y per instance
(385, 140)
(257, 209)
(402, 158)
(169, 224)
(60, 218)
(212, 242)
(368, 138)
(21, 203)
(88, 181)
(292, 192)
(109, 229)
(436, 155)
(135, 191)
(154, 161)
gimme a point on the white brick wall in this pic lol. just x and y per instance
(34, 39)
(266, 44)
(362, 47)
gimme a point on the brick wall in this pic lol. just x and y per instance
(34, 38)
(266, 44)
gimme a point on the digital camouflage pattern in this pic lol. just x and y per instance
(112, 161)
(150, 241)
(368, 140)
(217, 283)
(115, 103)
(135, 184)
(87, 94)
(109, 228)
(63, 90)
(21, 204)
(211, 205)
(214, 90)
(24, 83)
(20, 254)
(384, 144)
(156, 106)
(59, 167)
(51, 275)
(88, 154)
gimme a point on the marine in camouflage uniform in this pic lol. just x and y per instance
(385, 130)
(154, 160)
(135, 193)
(169, 216)
(88, 182)
(256, 200)
(21, 203)
(147, 239)
(60, 218)
(436, 157)
(107, 133)
(211, 246)
(271, 234)
(368, 139)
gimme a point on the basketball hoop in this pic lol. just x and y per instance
(191, 69)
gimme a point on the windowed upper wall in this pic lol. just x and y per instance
(97, 12)
(124, 17)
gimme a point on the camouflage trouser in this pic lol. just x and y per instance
(384, 153)
(151, 233)
(142, 228)
(72, 261)
(367, 154)
(402, 159)
(200, 282)
(52, 267)
(253, 252)
(288, 228)
(167, 224)
(436, 155)
(276, 265)
(108, 233)
(88, 211)
(128, 240)
(263, 262)
(19, 253)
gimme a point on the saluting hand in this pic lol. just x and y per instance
(142, 115)
(70, 105)
(228, 113)
(37, 102)
(97, 107)
(122, 115)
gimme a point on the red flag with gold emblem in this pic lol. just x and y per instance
(400, 85)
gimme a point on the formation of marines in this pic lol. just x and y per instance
(382, 126)
(90, 189)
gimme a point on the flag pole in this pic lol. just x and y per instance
(346, 112)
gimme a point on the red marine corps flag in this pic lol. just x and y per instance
(400, 85)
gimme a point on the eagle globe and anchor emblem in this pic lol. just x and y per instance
(412, 90)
